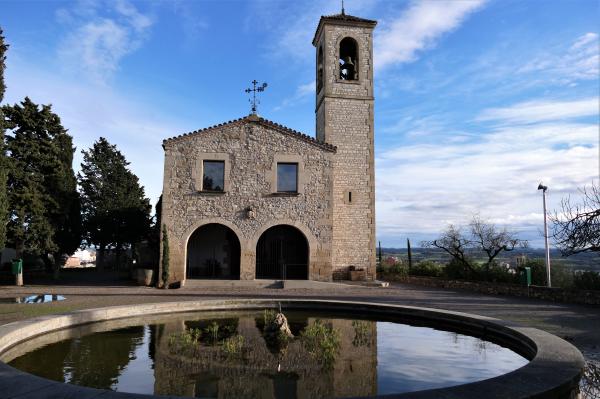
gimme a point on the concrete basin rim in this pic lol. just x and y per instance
(554, 369)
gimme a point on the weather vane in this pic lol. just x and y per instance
(254, 90)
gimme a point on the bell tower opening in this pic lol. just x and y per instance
(320, 70)
(348, 59)
(344, 110)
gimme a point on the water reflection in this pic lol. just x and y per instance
(230, 356)
(44, 298)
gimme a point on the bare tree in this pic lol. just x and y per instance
(483, 236)
(486, 237)
(454, 243)
(576, 227)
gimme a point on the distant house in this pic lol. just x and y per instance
(81, 258)
(73, 261)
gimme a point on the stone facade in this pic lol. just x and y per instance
(250, 147)
(344, 118)
(334, 206)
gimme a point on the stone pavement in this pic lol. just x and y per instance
(578, 324)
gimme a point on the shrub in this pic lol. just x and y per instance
(559, 273)
(501, 274)
(427, 268)
(233, 346)
(586, 280)
(322, 341)
(392, 266)
(457, 270)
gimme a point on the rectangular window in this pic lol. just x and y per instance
(214, 175)
(287, 177)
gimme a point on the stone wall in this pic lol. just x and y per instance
(554, 294)
(345, 119)
(249, 146)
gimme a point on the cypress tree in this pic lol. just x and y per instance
(4, 165)
(115, 210)
(62, 188)
(409, 253)
(165, 257)
(42, 196)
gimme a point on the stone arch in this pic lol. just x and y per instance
(348, 59)
(311, 241)
(215, 247)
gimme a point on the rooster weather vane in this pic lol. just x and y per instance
(254, 101)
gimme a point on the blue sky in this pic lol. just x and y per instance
(476, 101)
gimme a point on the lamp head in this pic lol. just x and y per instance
(542, 187)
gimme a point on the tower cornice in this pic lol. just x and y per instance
(341, 19)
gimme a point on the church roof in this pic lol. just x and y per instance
(343, 19)
(261, 121)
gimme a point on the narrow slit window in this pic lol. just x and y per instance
(320, 70)
(348, 197)
(213, 178)
(287, 177)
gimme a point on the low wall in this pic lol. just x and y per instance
(554, 294)
(553, 372)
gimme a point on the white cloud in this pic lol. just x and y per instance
(423, 186)
(90, 111)
(579, 62)
(544, 110)
(418, 28)
(302, 92)
(292, 25)
(98, 41)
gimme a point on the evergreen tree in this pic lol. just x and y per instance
(62, 188)
(3, 161)
(115, 210)
(42, 196)
(166, 265)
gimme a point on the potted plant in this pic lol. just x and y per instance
(357, 274)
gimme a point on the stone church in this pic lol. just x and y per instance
(252, 199)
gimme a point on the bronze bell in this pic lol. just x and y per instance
(348, 61)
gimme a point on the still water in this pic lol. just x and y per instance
(232, 355)
(38, 298)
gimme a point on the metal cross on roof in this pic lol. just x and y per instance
(254, 90)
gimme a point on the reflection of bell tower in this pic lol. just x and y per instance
(344, 113)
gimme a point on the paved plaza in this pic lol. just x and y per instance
(578, 324)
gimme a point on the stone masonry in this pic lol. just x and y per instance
(334, 207)
(344, 113)
(250, 147)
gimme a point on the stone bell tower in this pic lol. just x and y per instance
(344, 116)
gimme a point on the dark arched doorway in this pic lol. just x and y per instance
(282, 253)
(213, 251)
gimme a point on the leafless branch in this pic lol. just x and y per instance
(576, 227)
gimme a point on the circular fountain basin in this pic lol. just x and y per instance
(335, 349)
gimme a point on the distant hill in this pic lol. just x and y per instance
(584, 261)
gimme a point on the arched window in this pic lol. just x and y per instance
(348, 59)
(320, 70)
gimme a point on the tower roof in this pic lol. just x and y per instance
(342, 19)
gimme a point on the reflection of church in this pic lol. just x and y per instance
(267, 373)
(251, 198)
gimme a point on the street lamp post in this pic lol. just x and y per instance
(544, 188)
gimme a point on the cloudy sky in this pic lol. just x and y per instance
(476, 101)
